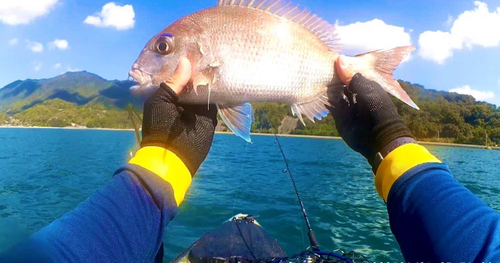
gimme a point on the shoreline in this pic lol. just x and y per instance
(63, 128)
(288, 135)
(475, 146)
(258, 134)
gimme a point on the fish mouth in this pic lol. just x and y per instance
(145, 82)
(142, 78)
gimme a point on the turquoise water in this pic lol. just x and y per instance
(47, 172)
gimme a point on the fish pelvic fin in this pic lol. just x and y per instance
(379, 66)
(238, 118)
(283, 8)
(314, 109)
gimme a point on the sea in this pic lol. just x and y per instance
(46, 172)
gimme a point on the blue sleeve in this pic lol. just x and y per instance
(123, 222)
(436, 219)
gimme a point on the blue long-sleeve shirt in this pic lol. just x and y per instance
(436, 219)
(433, 217)
(123, 222)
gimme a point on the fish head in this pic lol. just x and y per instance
(159, 58)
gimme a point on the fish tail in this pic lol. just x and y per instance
(379, 66)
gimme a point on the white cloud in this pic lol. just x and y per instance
(57, 65)
(38, 66)
(353, 37)
(13, 41)
(479, 95)
(437, 46)
(478, 27)
(112, 15)
(61, 44)
(15, 12)
(35, 46)
(70, 69)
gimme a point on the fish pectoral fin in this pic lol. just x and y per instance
(205, 78)
(316, 108)
(238, 118)
(202, 79)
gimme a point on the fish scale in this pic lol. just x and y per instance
(266, 51)
(289, 71)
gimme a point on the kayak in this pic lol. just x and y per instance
(243, 239)
(239, 239)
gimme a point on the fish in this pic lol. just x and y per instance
(245, 51)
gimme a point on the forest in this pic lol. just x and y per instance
(443, 117)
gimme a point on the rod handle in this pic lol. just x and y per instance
(313, 241)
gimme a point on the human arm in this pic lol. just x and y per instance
(433, 217)
(125, 220)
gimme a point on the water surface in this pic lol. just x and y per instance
(47, 172)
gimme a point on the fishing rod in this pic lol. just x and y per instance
(310, 233)
(133, 116)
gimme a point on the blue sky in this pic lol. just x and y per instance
(458, 41)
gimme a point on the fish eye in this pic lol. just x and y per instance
(164, 45)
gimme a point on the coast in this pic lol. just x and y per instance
(256, 134)
(63, 128)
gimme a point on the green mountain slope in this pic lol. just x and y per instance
(79, 88)
(450, 117)
(444, 117)
(60, 113)
(3, 118)
(85, 99)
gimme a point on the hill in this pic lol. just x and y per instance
(85, 99)
(79, 88)
(60, 113)
(444, 117)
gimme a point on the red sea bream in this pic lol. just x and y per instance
(245, 51)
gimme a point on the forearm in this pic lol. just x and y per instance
(434, 218)
(122, 222)
(125, 220)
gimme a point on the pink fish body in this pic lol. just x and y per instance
(245, 51)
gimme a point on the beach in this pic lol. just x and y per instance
(258, 134)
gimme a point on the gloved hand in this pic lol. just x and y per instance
(366, 118)
(186, 130)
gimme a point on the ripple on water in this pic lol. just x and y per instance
(63, 167)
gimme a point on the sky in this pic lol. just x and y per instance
(457, 41)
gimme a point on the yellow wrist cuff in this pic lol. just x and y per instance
(398, 162)
(168, 166)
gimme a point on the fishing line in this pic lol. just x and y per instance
(239, 178)
(132, 112)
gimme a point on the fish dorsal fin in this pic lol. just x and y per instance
(282, 8)
(316, 108)
(238, 118)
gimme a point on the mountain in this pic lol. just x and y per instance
(85, 99)
(80, 88)
(443, 117)
(71, 99)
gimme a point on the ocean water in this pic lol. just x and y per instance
(47, 172)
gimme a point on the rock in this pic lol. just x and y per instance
(221, 127)
(288, 125)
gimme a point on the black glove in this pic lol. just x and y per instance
(186, 130)
(366, 118)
